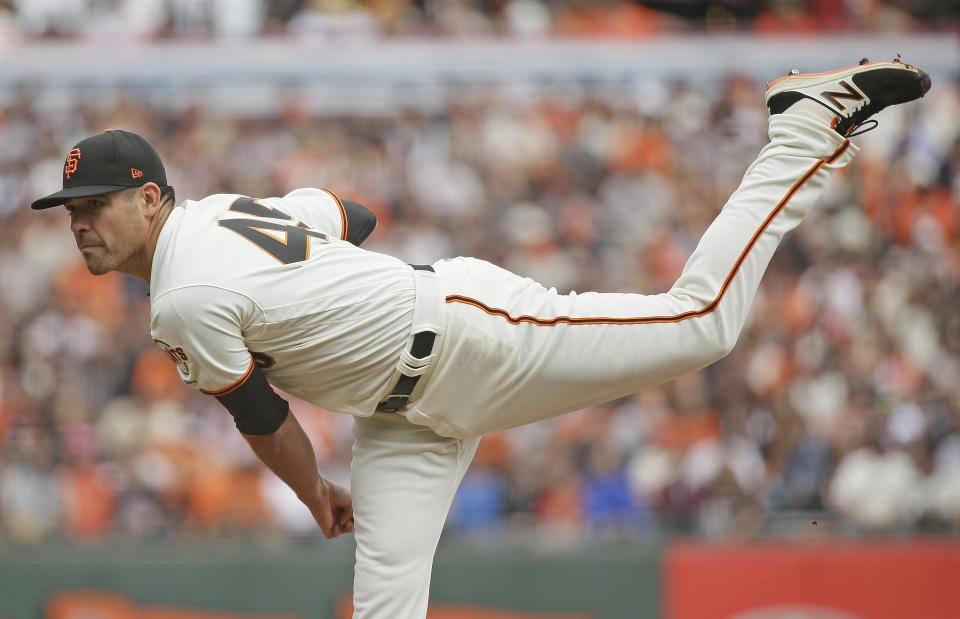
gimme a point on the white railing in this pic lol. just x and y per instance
(249, 74)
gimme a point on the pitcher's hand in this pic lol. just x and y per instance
(331, 506)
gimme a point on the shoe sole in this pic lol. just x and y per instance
(804, 81)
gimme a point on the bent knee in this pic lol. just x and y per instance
(725, 345)
(711, 347)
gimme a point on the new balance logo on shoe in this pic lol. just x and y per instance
(851, 94)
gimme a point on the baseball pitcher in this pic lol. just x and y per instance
(248, 293)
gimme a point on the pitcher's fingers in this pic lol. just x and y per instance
(346, 514)
(325, 519)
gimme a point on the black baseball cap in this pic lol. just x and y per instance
(106, 162)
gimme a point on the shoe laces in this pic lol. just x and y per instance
(865, 126)
(851, 125)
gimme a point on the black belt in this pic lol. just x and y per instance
(420, 349)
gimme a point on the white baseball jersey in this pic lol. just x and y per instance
(237, 282)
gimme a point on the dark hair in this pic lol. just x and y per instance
(167, 193)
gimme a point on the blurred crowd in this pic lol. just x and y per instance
(353, 20)
(838, 411)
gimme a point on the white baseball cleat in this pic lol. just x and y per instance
(851, 95)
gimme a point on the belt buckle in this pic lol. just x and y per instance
(392, 403)
(399, 396)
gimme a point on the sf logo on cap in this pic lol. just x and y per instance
(73, 157)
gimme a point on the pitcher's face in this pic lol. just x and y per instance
(110, 229)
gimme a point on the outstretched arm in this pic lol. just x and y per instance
(199, 327)
(265, 421)
(289, 454)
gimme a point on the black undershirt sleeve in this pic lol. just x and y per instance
(255, 406)
(360, 222)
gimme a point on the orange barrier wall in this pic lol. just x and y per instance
(828, 580)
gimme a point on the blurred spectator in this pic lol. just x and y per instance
(481, 501)
(335, 20)
(610, 506)
(876, 486)
(606, 18)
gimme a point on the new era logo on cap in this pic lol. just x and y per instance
(106, 162)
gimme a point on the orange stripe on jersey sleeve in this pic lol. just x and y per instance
(236, 384)
(710, 307)
(344, 222)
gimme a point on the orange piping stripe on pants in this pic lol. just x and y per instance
(550, 322)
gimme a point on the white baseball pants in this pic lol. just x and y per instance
(512, 352)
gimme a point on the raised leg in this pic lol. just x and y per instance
(516, 352)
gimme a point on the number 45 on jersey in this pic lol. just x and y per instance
(293, 243)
